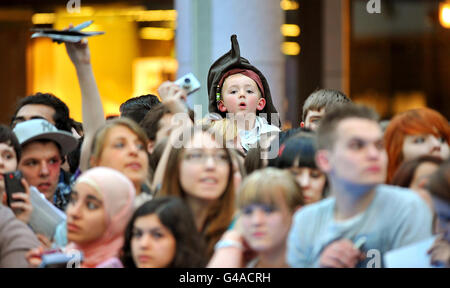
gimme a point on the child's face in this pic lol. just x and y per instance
(8, 163)
(313, 118)
(240, 95)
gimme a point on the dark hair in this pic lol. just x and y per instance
(61, 116)
(45, 141)
(253, 160)
(150, 123)
(405, 173)
(178, 218)
(136, 108)
(286, 134)
(324, 98)
(298, 150)
(9, 138)
(439, 183)
(73, 158)
(326, 134)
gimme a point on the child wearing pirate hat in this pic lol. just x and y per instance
(238, 90)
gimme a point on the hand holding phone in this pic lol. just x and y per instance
(18, 195)
(13, 184)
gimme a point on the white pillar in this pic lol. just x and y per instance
(257, 26)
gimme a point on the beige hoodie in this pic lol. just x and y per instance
(16, 239)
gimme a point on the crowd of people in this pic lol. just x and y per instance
(157, 187)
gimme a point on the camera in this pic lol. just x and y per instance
(189, 83)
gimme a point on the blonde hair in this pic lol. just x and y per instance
(100, 136)
(262, 187)
(224, 129)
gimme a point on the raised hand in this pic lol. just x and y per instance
(169, 90)
(78, 52)
(340, 254)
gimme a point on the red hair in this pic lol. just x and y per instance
(412, 122)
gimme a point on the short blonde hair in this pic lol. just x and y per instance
(262, 187)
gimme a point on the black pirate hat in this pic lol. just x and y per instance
(232, 60)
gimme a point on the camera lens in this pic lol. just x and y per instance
(187, 80)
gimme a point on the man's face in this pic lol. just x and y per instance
(313, 118)
(34, 111)
(358, 155)
(40, 165)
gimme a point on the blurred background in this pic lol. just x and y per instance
(394, 60)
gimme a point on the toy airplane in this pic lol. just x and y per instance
(70, 35)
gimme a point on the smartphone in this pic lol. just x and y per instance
(13, 184)
(189, 83)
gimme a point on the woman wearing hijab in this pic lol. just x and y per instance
(100, 207)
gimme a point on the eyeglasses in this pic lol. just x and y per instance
(201, 157)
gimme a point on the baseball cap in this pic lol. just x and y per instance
(40, 129)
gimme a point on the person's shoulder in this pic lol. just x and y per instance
(315, 210)
(396, 194)
(13, 228)
(6, 216)
(402, 200)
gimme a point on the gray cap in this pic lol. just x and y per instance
(40, 129)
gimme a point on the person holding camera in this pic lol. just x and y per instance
(15, 237)
(10, 152)
(43, 148)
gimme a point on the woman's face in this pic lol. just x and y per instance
(125, 152)
(86, 215)
(265, 227)
(204, 168)
(420, 180)
(312, 182)
(8, 163)
(419, 145)
(152, 244)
